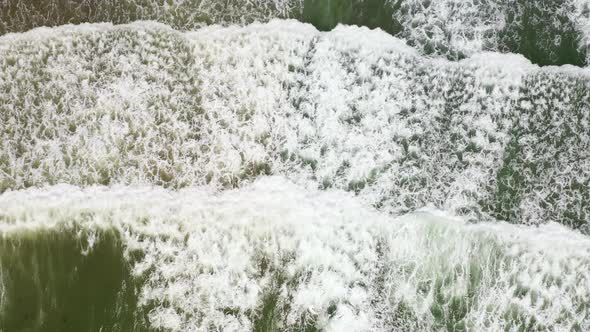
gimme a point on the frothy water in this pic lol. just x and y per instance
(546, 32)
(274, 255)
(489, 137)
(275, 177)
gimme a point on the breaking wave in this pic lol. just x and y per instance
(488, 137)
(274, 256)
(181, 176)
(546, 32)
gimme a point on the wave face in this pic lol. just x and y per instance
(546, 32)
(275, 177)
(274, 256)
(489, 137)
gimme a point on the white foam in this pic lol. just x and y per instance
(203, 256)
(353, 109)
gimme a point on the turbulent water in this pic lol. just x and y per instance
(546, 31)
(429, 175)
(273, 256)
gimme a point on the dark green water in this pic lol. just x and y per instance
(53, 279)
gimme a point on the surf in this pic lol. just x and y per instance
(274, 255)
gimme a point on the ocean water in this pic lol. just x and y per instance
(547, 32)
(275, 256)
(410, 165)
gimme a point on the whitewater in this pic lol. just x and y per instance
(189, 176)
(274, 256)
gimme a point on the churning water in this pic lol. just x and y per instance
(207, 173)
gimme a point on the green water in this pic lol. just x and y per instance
(53, 280)
(325, 15)
(543, 32)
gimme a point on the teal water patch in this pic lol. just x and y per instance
(66, 279)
